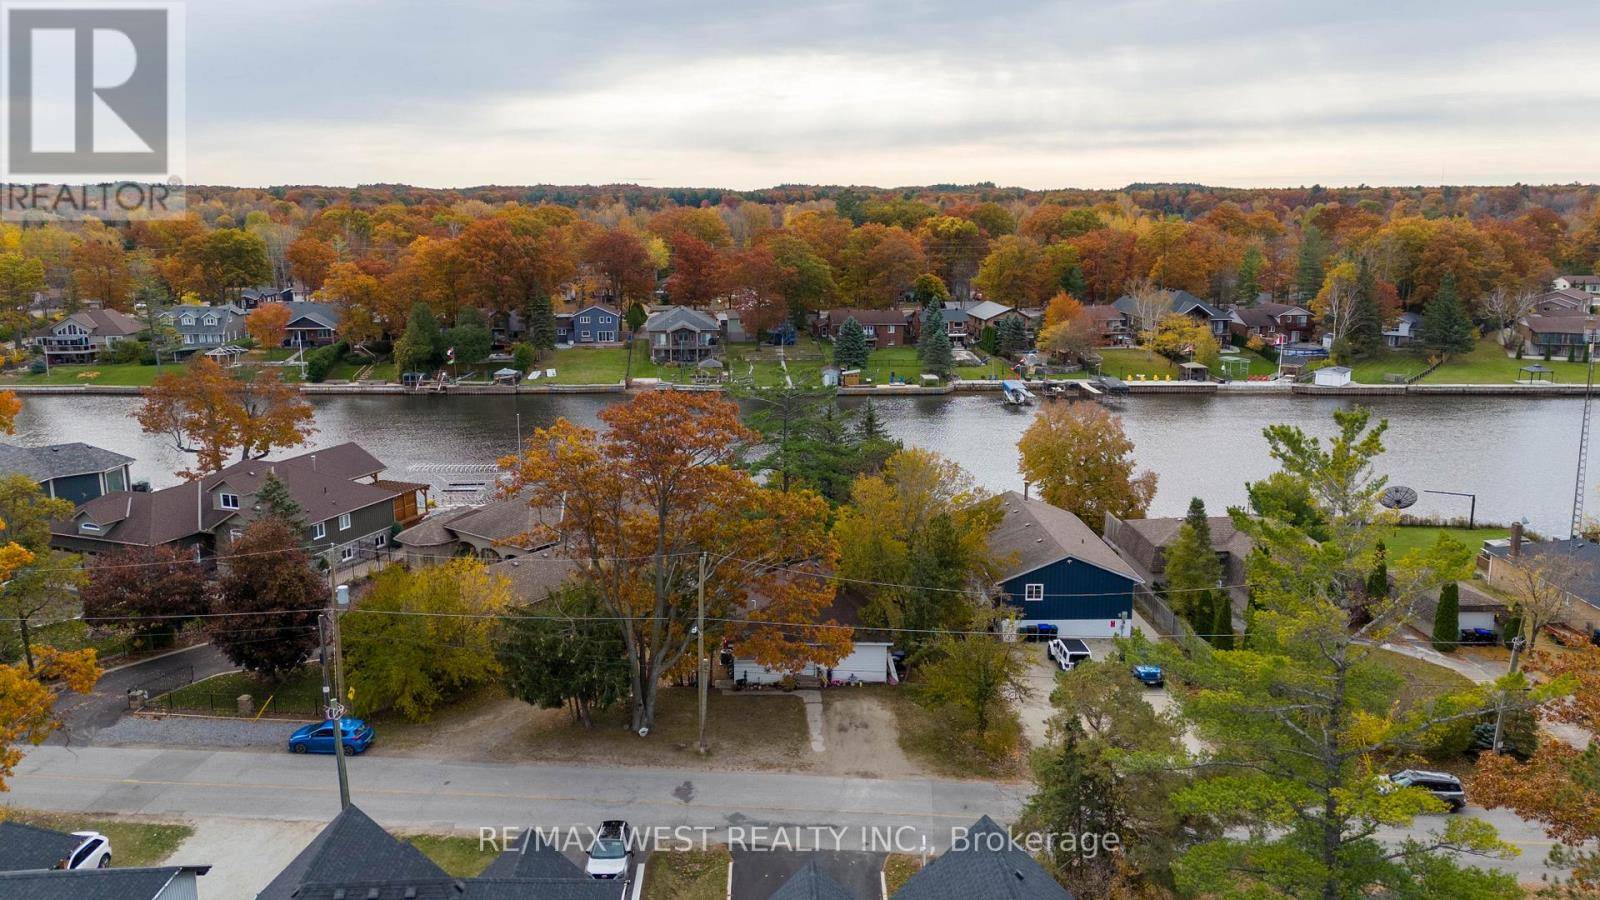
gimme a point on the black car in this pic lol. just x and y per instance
(1442, 785)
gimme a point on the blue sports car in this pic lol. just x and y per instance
(1150, 676)
(318, 737)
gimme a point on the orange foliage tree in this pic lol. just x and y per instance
(216, 414)
(646, 499)
(1082, 461)
(268, 324)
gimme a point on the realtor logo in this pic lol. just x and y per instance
(94, 95)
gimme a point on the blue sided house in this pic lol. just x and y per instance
(594, 324)
(1056, 570)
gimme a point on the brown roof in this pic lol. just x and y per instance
(867, 316)
(1033, 534)
(1162, 532)
(102, 322)
(1560, 324)
(535, 578)
(511, 522)
(1103, 312)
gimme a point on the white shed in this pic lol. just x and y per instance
(870, 660)
(1333, 376)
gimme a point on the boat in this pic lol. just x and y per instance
(1015, 393)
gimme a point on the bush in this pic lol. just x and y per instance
(524, 356)
(123, 352)
(37, 367)
(320, 362)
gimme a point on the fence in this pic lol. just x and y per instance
(1161, 617)
(140, 695)
(212, 703)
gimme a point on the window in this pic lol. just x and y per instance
(1033, 593)
(319, 531)
(188, 320)
(88, 528)
(583, 335)
(583, 320)
(227, 501)
(233, 534)
(347, 553)
(605, 335)
(344, 522)
(382, 540)
(211, 320)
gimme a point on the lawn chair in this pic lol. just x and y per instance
(534, 375)
(549, 373)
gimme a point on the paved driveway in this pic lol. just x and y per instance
(85, 714)
(757, 874)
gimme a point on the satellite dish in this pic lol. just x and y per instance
(1398, 497)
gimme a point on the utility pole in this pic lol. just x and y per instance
(333, 689)
(701, 667)
(1500, 705)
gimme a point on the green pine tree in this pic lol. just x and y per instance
(939, 357)
(1447, 619)
(1249, 287)
(1366, 326)
(932, 326)
(1221, 631)
(1011, 335)
(1445, 326)
(1308, 266)
(275, 500)
(1378, 580)
(539, 323)
(850, 348)
(1192, 570)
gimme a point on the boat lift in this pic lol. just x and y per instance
(1016, 393)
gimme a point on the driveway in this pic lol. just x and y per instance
(244, 854)
(84, 714)
(757, 873)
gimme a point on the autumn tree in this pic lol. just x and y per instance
(423, 636)
(100, 269)
(268, 324)
(28, 698)
(215, 263)
(20, 277)
(148, 592)
(1537, 590)
(515, 260)
(954, 248)
(929, 291)
(264, 613)
(215, 414)
(638, 540)
(878, 263)
(310, 260)
(39, 584)
(973, 684)
(368, 309)
(1081, 460)
(564, 652)
(1179, 337)
(1014, 273)
(850, 348)
(699, 272)
(623, 260)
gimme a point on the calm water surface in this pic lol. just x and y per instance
(1517, 454)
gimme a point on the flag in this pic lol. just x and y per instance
(451, 354)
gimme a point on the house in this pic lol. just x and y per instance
(988, 314)
(76, 472)
(1274, 323)
(731, 327)
(681, 334)
(205, 327)
(1112, 326)
(955, 322)
(354, 858)
(311, 324)
(1406, 331)
(252, 297)
(1056, 570)
(153, 883)
(984, 862)
(1564, 302)
(1477, 608)
(503, 529)
(593, 324)
(84, 335)
(1144, 544)
(870, 660)
(1589, 284)
(535, 577)
(1575, 560)
(1559, 336)
(883, 327)
(1181, 303)
(811, 883)
(349, 511)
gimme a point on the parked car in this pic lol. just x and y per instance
(1150, 676)
(318, 737)
(1067, 652)
(611, 854)
(93, 853)
(1037, 631)
(1479, 636)
(1442, 785)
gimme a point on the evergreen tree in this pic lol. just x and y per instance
(561, 653)
(1366, 325)
(421, 346)
(1308, 267)
(276, 501)
(1378, 581)
(470, 337)
(932, 327)
(1447, 619)
(870, 427)
(1249, 286)
(1221, 633)
(1445, 326)
(938, 358)
(539, 323)
(635, 317)
(850, 348)
(1073, 281)
(1193, 573)
(1012, 335)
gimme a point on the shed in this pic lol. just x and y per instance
(1193, 371)
(830, 376)
(850, 377)
(1332, 376)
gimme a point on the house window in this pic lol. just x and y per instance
(188, 320)
(1033, 593)
(88, 528)
(583, 335)
(347, 553)
(233, 534)
(319, 531)
(583, 320)
(211, 320)
(227, 501)
(382, 540)
(344, 522)
(606, 335)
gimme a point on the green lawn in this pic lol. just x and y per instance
(690, 875)
(122, 374)
(1123, 362)
(599, 365)
(133, 844)
(460, 857)
(1423, 681)
(1387, 362)
(1407, 538)
(299, 694)
(1485, 364)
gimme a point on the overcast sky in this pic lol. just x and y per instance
(752, 93)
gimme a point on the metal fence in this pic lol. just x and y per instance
(213, 703)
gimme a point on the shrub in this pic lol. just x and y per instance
(320, 362)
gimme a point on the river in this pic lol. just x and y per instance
(1517, 454)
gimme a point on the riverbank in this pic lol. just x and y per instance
(962, 386)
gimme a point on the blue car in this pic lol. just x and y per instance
(1149, 676)
(318, 737)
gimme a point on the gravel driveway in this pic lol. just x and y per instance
(184, 731)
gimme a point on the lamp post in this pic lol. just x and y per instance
(1472, 511)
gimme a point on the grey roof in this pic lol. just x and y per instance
(324, 315)
(59, 460)
(986, 309)
(1182, 302)
(811, 883)
(1584, 582)
(1033, 534)
(680, 317)
(352, 849)
(228, 319)
(25, 847)
(1570, 299)
(533, 857)
(1568, 324)
(535, 578)
(511, 522)
(101, 322)
(89, 884)
(988, 865)
(1266, 315)
(583, 888)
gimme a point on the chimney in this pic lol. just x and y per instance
(1026, 485)
(313, 462)
(1516, 540)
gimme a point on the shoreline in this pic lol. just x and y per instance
(1237, 388)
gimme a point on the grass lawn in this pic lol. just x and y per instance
(898, 869)
(1387, 362)
(690, 875)
(1122, 362)
(460, 857)
(299, 694)
(1416, 537)
(599, 365)
(902, 362)
(1423, 681)
(132, 843)
(122, 374)
(926, 740)
(1489, 364)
